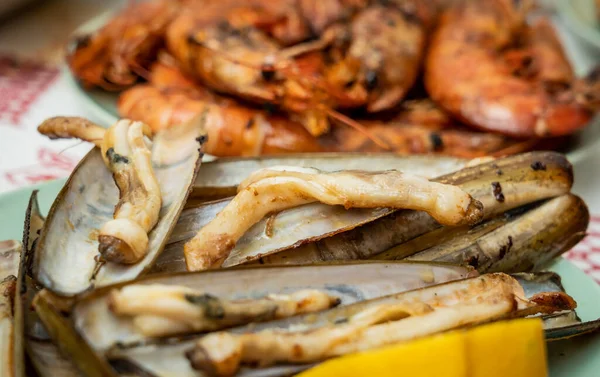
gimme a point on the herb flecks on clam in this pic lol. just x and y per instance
(127, 155)
(122, 200)
(403, 318)
(276, 189)
(125, 239)
(163, 310)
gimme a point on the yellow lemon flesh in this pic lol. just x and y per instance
(511, 348)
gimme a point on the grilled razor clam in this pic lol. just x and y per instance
(221, 353)
(521, 240)
(220, 178)
(525, 243)
(168, 359)
(291, 187)
(72, 127)
(88, 200)
(125, 153)
(521, 179)
(161, 310)
(92, 316)
(125, 239)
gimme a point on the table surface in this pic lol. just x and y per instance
(33, 87)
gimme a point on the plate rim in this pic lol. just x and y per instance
(583, 30)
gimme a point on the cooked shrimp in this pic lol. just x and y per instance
(386, 47)
(233, 48)
(233, 129)
(287, 187)
(115, 56)
(490, 69)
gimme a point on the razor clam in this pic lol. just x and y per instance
(166, 359)
(518, 176)
(521, 240)
(87, 201)
(11, 357)
(220, 178)
(92, 320)
(44, 355)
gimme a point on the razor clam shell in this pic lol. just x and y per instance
(220, 178)
(538, 282)
(48, 361)
(158, 359)
(102, 329)
(521, 184)
(65, 258)
(570, 331)
(523, 242)
(44, 355)
(11, 361)
(8, 365)
(291, 228)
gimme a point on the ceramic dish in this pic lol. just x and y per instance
(580, 16)
(575, 357)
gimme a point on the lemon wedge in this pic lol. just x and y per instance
(510, 348)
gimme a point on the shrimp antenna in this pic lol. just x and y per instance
(358, 127)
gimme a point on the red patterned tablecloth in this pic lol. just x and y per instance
(31, 91)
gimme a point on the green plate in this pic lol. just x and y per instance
(580, 17)
(577, 357)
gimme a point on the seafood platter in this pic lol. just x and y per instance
(345, 261)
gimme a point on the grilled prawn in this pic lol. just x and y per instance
(233, 129)
(239, 50)
(118, 54)
(236, 129)
(492, 70)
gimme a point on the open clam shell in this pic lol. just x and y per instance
(43, 353)
(65, 258)
(167, 358)
(220, 178)
(91, 319)
(102, 329)
(317, 232)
